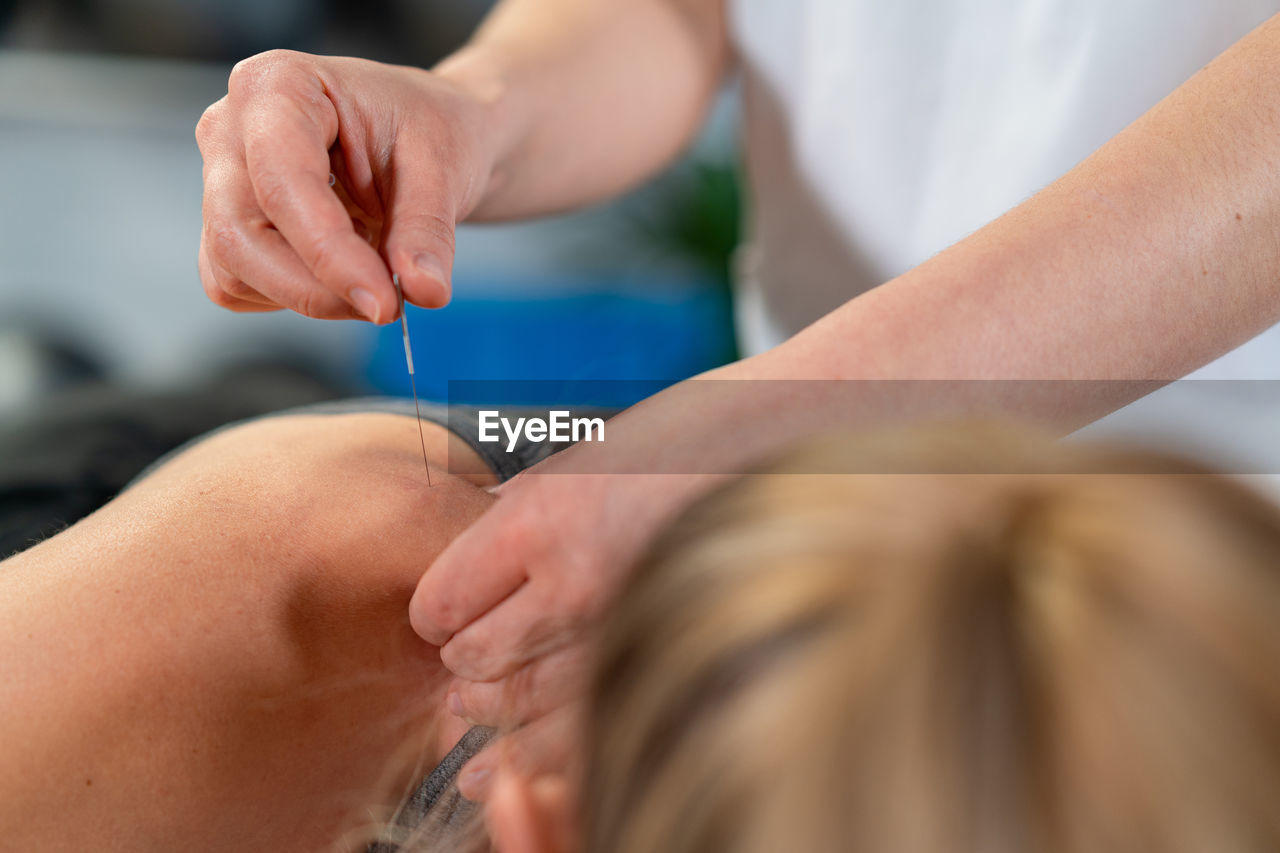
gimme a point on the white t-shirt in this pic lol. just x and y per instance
(878, 132)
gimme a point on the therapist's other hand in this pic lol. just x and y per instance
(514, 599)
(408, 150)
(529, 578)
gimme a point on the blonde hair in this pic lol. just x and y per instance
(996, 644)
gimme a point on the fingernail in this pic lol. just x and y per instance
(430, 266)
(364, 302)
(455, 705)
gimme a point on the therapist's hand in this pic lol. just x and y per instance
(514, 599)
(410, 154)
(526, 580)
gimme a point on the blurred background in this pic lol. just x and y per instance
(100, 224)
(101, 220)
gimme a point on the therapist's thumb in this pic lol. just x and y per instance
(419, 245)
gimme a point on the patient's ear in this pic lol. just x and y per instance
(530, 815)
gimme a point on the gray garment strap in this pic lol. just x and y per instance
(437, 798)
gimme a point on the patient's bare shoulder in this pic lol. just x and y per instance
(322, 481)
(228, 642)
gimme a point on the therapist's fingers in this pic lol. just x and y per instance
(532, 622)
(242, 243)
(237, 242)
(227, 282)
(224, 213)
(288, 165)
(260, 254)
(480, 568)
(532, 691)
(526, 579)
(269, 141)
(419, 242)
(219, 285)
(547, 745)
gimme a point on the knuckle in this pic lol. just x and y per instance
(497, 705)
(261, 69)
(493, 666)
(217, 295)
(454, 660)
(440, 230)
(223, 241)
(272, 190)
(239, 290)
(209, 122)
(324, 256)
(311, 304)
(211, 288)
(477, 701)
(221, 246)
(517, 694)
(465, 660)
(521, 530)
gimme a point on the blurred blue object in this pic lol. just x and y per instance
(577, 346)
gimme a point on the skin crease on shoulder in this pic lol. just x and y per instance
(221, 657)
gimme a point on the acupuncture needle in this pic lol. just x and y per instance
(413, 385)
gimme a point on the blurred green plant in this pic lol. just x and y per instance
(692, 216)
(693, 213)
(680, 230)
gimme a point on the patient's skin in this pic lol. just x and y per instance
(221, 658)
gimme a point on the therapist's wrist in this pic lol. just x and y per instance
(475, 71)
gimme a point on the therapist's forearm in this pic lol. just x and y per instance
(1155, 255)
(587, 98)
